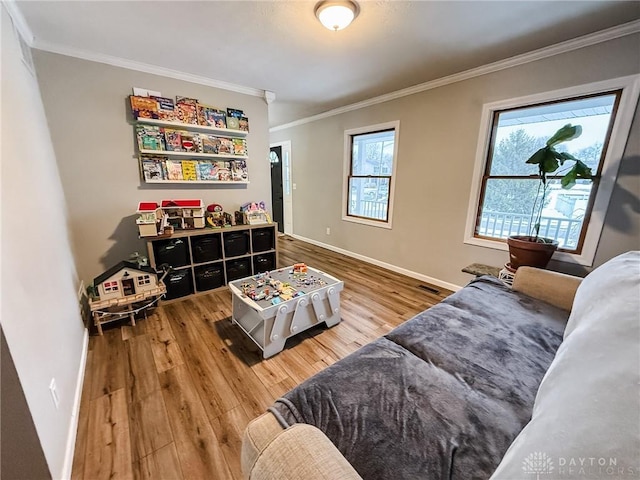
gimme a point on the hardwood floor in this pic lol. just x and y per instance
(170, 397)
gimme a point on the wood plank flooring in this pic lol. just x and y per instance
(170, 397)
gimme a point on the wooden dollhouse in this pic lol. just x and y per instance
(123, 290)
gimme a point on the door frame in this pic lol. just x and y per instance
(287, 185)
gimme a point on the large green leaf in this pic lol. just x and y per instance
(549, 163)
(537, 157)
(564, 134)
(579, 170)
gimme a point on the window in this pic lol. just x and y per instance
(370, 164)
(110, 286)
(507, 186)
(143, 280)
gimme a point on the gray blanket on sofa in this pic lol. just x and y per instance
(443, 395)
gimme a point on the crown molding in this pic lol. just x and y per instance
(550, 51)
(146, 68)
(19, 22)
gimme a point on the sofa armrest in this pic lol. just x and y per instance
(552, 287)
(299, 452)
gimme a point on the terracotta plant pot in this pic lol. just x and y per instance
(526, 251)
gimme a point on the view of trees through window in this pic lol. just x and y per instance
(370, 174)
(510, 185)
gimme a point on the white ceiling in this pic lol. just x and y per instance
(281, 47)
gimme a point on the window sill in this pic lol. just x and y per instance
(364, 221)
(565, 257)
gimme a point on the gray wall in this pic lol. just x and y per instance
(40, 315)
(89, 117)
(438, 138)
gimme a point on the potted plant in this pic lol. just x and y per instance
(533, 250)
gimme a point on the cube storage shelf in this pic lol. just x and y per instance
(206, 259)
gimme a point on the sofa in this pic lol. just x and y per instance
(541, 380)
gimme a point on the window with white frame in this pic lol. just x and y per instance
(370, 165)
(143, 280)
(508, 187)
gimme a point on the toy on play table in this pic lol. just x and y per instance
(299, 268)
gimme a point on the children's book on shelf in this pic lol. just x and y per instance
(152, 168)
(173, 140)
(239, 171)
(243, 124)
(186, 113)
(143, 107)
(189, 169)
(205, 115)
(190, 141)
(234, 112)
(210, 143)
(150, 137)
(187, 100)
(233, 123)
(166, 109)
(219, 118)
(226, 146)
(224, 171)
(208, 170)
(239, 146)
(174, 169)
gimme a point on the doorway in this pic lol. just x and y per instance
(277, 191)
(127, 286)
(281, 186)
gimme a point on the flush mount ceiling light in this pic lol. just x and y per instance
(336, 15)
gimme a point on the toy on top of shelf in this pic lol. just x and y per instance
(184, 214)
(255, 213)
(150, 221)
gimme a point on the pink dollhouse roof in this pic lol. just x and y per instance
(182, 203)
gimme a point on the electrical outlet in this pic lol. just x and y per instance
(328, 231)
(53, 388)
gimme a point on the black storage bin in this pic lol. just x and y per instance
(236, 244)
(205, 248)
(262, 239)
(264, 262)
(209, 277)
(178, 283)
(239, 268)
(173, 251)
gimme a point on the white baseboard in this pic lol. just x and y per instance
(75, 411)
(388, 266)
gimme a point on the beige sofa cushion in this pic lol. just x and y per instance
(585, 421)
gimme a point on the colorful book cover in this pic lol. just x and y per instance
(166, 109)
(186, 113)
(234, 112)
(243, 124)
(210, 143)
(173, 140)
(143, 107)
(239, 146)
(190, 141)
(187, 100)
(226, 146)
(219, 119)
(205, 115)
(233, 123)
(150, 137)
(152, 168)
(189, 168)
(224, 171)
(239, 171)
(208, 170)
(174, 170)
